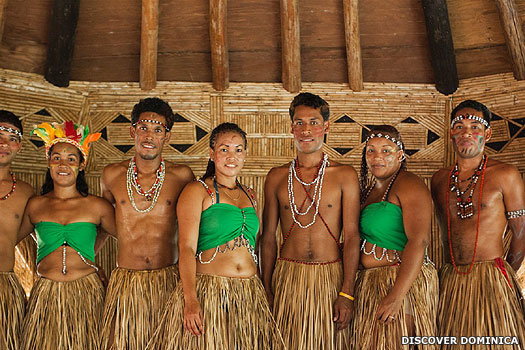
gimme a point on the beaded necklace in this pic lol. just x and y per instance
(152, 195)
(231, 189)
(318, 181)
(12, 187)
(465, 209)
(484, 161)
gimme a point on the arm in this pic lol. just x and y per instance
(189, 209)
(343, 307)
(416, 204)
(107, 224)
(514, 199)
(26, 226)
(268, 238)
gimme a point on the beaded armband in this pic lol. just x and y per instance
(515, 214)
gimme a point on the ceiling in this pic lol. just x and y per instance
(394, 45)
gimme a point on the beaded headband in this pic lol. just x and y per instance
(14, 131)
(388, 137)
(151, 121)
(68, 132)
(471, 117)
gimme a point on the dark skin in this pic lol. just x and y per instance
(339, 207)
(228, 155)
(146, 241)
(65, 205)
(410, 193)
(503, 190)
(11, 209)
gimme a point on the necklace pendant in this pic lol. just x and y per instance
(149, 198)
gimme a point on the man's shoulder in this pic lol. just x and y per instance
(116, 168)
(278, 171)
(501, 171)
(25, 188)
(341, 168)
(441, 174)
(181, 171)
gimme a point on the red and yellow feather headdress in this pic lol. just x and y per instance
(69, 132)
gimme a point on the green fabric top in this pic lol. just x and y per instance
(222, 222)
(382, 224)
(78, 235)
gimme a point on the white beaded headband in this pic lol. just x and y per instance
(471, 117)
(388, 137)
(151, 121)
(14, 131)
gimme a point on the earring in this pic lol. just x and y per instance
(403, 157)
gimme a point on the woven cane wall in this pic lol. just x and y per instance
(418, 111)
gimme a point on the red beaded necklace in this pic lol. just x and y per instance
(477, 227)
(12, 188)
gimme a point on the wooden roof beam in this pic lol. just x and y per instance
(149, 39)
(64, 18)
(514, 37)
(3, 8)
(220, 65)
(353, 44)
(291, 45)
(441, 45)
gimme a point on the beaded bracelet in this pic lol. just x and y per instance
(347, 296)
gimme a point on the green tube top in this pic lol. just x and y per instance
(382, 224)
(78, 235)
(222, 222)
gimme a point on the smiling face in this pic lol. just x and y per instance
(308, 129)
(150, 135)
(228, 154)
(64, 164)
(469, 136)
(9, 144)
(383, 157)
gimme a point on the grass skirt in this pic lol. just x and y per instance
(236, 316)
(480, 304)
(64, 315)
(304, 297)
(12, 310)
(135, 300)
(420, 302)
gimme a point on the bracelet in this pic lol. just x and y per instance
(347, 296)
(515, 214)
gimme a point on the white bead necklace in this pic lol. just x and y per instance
(132, 183)
(318, 181)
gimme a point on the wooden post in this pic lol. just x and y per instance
(220, 65)
(353, 44)
(64, 18)
(3, 8)
(291, 45)
(441, 46)
(514, 37)
(149, 44)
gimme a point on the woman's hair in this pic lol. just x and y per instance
(221, 129)
(385, 130)
(81, 184)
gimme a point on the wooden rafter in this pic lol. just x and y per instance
(220, 65)
(64, 18)
(149, 44)
(291, 45)
(514, 37)
(353, 44)
(441, 45)
(3, 8)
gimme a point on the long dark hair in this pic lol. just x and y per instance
(81, 183)
(221, 129)
(385, 130)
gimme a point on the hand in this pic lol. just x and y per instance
(193, 317)
(343, 312)
(388, 309)
(269, 296)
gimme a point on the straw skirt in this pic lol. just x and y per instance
(12, 310)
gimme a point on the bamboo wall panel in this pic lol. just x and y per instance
(417, 110)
